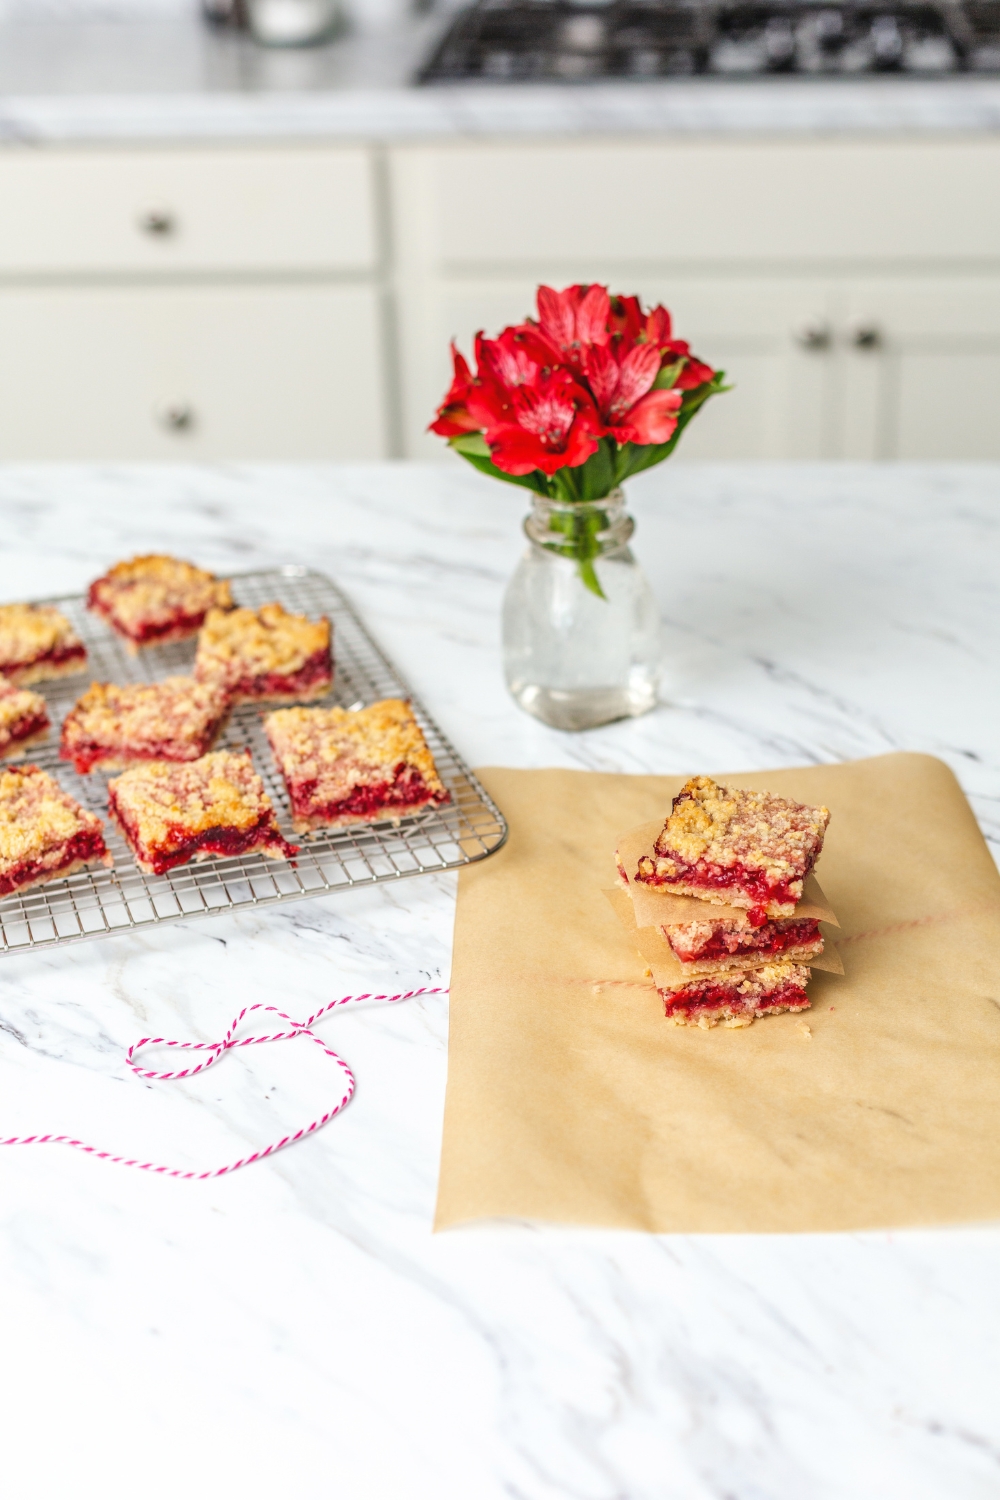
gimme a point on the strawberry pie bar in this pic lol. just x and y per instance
(149, 601)
(44, 834)
(37, 643)
(746, 849)
(711, 946)
(215, 806)
(112, 727)
(346, 766)
(24, 718)
(737, 998)
(265, 653)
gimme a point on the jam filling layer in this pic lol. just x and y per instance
(315, 670)
(25, 729)
(180, 846)
(735, 877)
(145, 631)
(86, 845)
(407, 789)
(89, 754)
(708, 999)
(59, 656)
(771, 938)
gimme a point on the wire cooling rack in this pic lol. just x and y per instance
(96, 903)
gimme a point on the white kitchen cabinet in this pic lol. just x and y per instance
(193, 372)
(923, 368)
(849, 288)
(168, 212)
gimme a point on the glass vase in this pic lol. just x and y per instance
(581, 630)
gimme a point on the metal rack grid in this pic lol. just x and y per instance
(96, 903)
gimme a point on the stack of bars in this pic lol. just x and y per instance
(724, 906)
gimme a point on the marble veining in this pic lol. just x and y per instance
(297, 1329)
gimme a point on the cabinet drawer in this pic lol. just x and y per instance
(156, 212)
(705, 201)
(213, 373)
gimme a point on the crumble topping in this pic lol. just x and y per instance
(168, 802)
(148, 594)
(37, 815)
(20, 710)
(252, 643)
(30, 632)
(691, 940)
(362, 744)
(720, 831)
(177, 712)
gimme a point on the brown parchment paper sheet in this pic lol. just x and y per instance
(570, 1099)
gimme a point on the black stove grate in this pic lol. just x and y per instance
(554, 40)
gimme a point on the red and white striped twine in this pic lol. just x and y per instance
(215, 1051)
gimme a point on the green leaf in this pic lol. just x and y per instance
(473, 448)
(587, 572)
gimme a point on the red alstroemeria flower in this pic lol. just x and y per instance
(573, 320)
(547, 423)
(633, 326)
(630, 410)
(694, 373)
(452, 416)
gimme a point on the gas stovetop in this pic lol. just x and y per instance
(555, 40)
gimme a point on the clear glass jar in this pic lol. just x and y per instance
(581, 630)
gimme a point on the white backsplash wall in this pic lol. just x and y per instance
(366, 15)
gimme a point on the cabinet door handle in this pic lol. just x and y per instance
(815, 333)
(157, 222)
(866, 335)
(175, 416)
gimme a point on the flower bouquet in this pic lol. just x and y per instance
(573, 403)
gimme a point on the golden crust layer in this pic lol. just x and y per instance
(251, 643)
(350, 747)
(168, 803)
(19, 706)
(176, 710)
(32, 631)
(37, 815)
(152, 590)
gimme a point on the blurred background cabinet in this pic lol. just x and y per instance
(851, 290)
(297, 301)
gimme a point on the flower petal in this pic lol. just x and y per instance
(651, 420)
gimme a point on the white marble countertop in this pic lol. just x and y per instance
(296, 1329)
(168, 78)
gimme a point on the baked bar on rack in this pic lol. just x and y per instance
(266, 653)
(736, 848)
(346, 766)
(114, 726)
(737, 998)
(713, 945)
(38, 643)
(151, 600)
(212, 807)
(24, 718)
(44, 834)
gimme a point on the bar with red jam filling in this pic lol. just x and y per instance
(266, 654)
(711, 946)
(24, 718)
(112, 726)
(215, 807)
(37, 643)
(44, 834)
(736, 848)
(345, 766)
(737, 998)
(151, 600)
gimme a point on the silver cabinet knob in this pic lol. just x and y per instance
(815, 333)
(157, 222)
(867, 335)
(175, 416)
